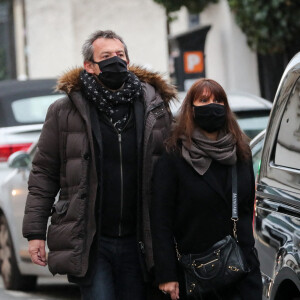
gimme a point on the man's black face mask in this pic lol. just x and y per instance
(113, 72)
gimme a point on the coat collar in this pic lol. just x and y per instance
(70, 82)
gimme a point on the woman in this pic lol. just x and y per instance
(193, 192)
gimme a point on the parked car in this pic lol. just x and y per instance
(16, 268)
(277, 212)
(23, 107)
(252, 112)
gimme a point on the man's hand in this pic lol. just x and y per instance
(171, 288)
(37, 252)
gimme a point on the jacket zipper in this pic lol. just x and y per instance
(121, 174)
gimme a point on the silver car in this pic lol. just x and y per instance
(23, 107)
(17, 270)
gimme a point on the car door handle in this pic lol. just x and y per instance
(267, 204)
(277, 207)
(289, 210)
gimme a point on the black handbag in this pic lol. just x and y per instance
(221, 265)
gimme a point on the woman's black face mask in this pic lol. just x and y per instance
(210, 117)
(113, 72)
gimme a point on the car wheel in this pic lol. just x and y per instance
(12, 278)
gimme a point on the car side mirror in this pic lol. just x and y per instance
(19, 159)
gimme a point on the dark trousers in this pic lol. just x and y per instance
(117, 274)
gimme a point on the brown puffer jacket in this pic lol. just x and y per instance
(65, 163)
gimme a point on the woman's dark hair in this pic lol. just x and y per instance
(204, 88)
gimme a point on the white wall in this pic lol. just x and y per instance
(228, 59)
(50, 37)
(56, 30)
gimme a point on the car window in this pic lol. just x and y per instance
(256, 156)
(287, 151)
(32, 110)
(252, 125)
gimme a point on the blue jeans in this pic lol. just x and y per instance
(118, 274)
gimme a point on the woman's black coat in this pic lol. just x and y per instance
(196, 210)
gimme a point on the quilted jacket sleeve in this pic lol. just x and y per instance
(43, 184)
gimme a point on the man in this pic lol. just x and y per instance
(97, 149)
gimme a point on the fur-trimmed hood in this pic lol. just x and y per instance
(70, 81)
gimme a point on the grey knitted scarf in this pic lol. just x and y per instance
(202, 150)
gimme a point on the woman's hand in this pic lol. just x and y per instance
(171, 288)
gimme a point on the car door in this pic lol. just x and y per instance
(277, 215)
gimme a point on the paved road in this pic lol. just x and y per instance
(47, 289)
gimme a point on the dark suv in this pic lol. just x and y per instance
(277, 213)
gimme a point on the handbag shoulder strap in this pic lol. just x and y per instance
(234, 213)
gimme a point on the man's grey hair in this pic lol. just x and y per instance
(88, 49)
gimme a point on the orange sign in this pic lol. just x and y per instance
(193, 62)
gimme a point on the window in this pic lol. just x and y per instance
(256, 155)
(194, 20)
(32, 110)
(253, 123)
(287, 152)
(7, 47)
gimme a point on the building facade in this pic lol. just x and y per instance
(56, 30)
(49, 34)
(228, 58)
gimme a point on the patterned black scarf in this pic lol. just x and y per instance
(115, 104)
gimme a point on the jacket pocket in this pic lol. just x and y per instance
(158, 137)
(59, 210)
